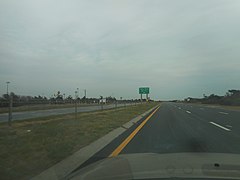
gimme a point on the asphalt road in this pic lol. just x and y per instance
(188, 128)
(43, 113)
(176, 128)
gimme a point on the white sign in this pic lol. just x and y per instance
(104, 100)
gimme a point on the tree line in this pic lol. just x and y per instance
(58, 98)
(232, 98)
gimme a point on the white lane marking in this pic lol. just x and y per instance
(188, 112)
(223, 113)
(226, 129)
(179, 108)
(229, 126)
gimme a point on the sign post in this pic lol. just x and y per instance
(144, 90)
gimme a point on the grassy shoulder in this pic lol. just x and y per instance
(31, 146)
(41, 107)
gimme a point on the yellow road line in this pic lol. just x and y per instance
(130, 137)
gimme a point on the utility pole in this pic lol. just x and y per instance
(77, 94)
(10, 110)
(85, 94)
(116, 103)
(76, 105)
(10, 106)
(101, 102)
(64, 98)
(7, 86)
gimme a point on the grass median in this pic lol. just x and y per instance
(31, 146)
(41, 107)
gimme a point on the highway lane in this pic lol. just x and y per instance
(43, 113)
(188, 128)
(228, 119)
(176, 128)
(179, 127)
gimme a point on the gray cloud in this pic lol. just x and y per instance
(178, 48)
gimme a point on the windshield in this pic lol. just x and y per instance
(87, 81)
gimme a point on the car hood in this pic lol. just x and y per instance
(151, 165)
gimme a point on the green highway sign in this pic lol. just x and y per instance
(144, 90)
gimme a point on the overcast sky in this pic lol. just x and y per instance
(112, 47)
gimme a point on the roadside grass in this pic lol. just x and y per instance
(31, 146)
(41, 107)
